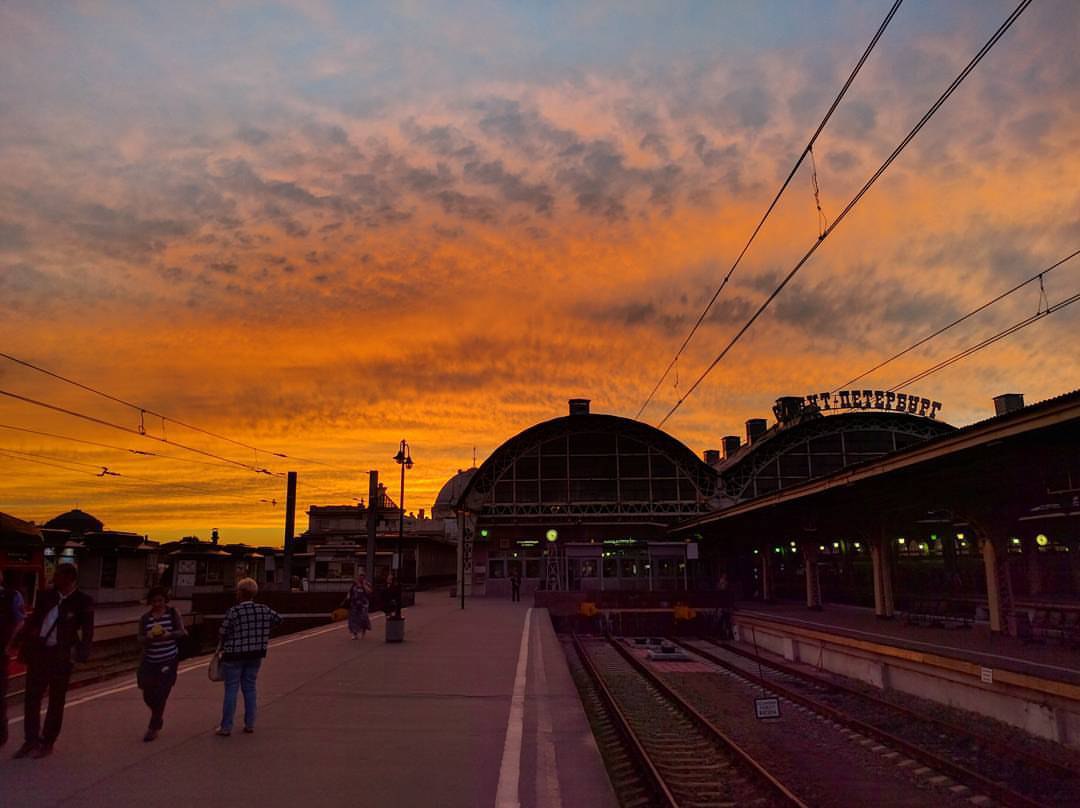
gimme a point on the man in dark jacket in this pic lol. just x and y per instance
(12, 615)
(58, 633)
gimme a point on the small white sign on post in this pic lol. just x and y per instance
(986, 675)
(767, 708)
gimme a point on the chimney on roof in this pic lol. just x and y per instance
(579, 406)
(731, 445)
(712, 456)
(214, 536)
(1008, 402)
(755, 428)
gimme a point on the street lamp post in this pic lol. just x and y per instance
(404, 459)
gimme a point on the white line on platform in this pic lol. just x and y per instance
(951, 648)
(200, 665)
(506, 795)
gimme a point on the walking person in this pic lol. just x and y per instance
(358, 601)
(12, 616)
(515, 585)
(160, 631)
(245, 635)
(57, 633)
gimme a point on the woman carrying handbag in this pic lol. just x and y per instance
(160, 631)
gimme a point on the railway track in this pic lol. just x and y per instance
(1010, 776)
(682, 758)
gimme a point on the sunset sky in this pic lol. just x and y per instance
(321, 227)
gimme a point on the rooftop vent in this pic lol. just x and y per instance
(755, 428)
(731, 445)
(579, 406)
(1008, 402)
(712, 456)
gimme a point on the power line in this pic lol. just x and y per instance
(105, 471)
(1036, 277)
(807, 150)
(144, 411)
(855, 199)
(139, 452)
(986, 343)
(122, 428)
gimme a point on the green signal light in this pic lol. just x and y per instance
(483, 533)
(552, 534)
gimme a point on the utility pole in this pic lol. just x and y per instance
(374, 501)
(290, 526)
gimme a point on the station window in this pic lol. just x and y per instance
(532, 568)
(611, 568)
(497, 568)
(108, 572)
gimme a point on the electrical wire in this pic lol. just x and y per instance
(1000, 32)
(139, 452)
(986, 343)
(143, 411)
(791, 175)
(122, 428)
(1036, 277)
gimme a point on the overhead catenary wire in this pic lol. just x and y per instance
(139, 452)
(1000, 32)
(102, 422)
(986, 343)
(1042, 305)
(144, 411)
(807, 150)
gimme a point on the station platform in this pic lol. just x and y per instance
(1032, 687)
(475, 708)
(1048, 659)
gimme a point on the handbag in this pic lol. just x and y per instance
(213, 670)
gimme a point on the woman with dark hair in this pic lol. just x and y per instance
(160, 629)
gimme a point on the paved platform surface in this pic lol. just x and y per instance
(1046, 660)
(475, 703)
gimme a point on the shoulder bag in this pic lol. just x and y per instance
(213, 670)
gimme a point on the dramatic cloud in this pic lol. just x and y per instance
(319, 229)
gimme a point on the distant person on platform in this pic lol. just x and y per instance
(358, 601)
(391, 596)
(12, 616)
(515, 586)
(245, 636)
(57, 634)
(160, 631)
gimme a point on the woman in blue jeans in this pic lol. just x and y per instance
(245, 635)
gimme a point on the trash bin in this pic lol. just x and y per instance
(395, 629)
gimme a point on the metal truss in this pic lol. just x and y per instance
(549, 511)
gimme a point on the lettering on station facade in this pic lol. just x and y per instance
(789, 407)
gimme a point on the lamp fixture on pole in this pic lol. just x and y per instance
(404, 459)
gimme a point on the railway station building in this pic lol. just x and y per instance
(583, 502)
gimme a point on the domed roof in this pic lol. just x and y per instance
(78, 522)
(451, 492)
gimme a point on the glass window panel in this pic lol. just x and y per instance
(592, 466)
(611, 568)
(592, 490)
(497, 568)
(504, 491)
(528, 491)
(867, 441)
(526, 468)
(821, 465)
(592, 443)
(631, 446)
(635, 490)
(633, 466)
(662, 467)
(532, 568)
(553, 447)
(664, 491)
(553, 467)
(829, 444)
(588, 568)
(667, 567)
(553, 491)
(765, 484)
(794, 465)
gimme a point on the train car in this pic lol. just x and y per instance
(22, 556)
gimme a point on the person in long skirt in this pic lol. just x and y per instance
(359, 600)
